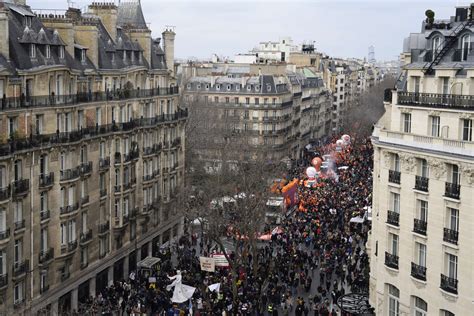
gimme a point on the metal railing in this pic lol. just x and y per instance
(394, 176)
(25, 102)
(69, 174)
(451, 236)
(44, 215)
(421, 183)
(85, 237)
(418, 272)
(391, 260)
(103, 228)
(452, 190)
(20, 268)
(46, 255)
(436, 100)
(449, 284)
(393, 218)
(419, 226)
(104, 163)
(63, 210)
(45, 180)
(5, 234)
(20, 187)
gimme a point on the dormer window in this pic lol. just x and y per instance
(249, 87)
(228, 87)
(61, 52)
(124, 55)
(140, 57)
(32, 51)
(83, 55)
(465, 46)
(218, 87)
(436, 45)
(47, 51)
(112, 57)
(257, 88)
(133, 56)
(199, 86)
(237, 87)
(28, 20)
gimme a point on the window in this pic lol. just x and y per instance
(18, 211)
(32, 51)
(452, 266)
(48, 51)
(423, 170)
(444, 312)
(436, 45)
(61, 52)
(63, 234)
(39, 124)
(43, 201)
(467, 130)
(393, 301)
(454, 175)
(420, 254)
(3, 262)
(421, 307)
(393, 246)
(395, 162)
(84, 256)
(247, 100)
(18, 293)
(416, 84)
(435, 125)
(3, 220)
(83, 55)
(445, 85)
(453, 219)
(423, 210)
(406, 117)
(44, 239)
(12, 126)
(18, 251)
(395, 202)
(465, 47)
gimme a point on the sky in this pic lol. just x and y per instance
(340, 28)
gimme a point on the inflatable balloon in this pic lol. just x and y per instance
(316, 162)
(311, 172)
(346, 139)
(339, 142)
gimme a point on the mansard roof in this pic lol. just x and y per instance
(130, 15)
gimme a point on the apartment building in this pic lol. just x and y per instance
(91, 151)
(276, 110)
(422, 240)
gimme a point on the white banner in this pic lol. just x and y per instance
(207, 264)
(220, 260)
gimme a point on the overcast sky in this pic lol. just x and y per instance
(341, 28)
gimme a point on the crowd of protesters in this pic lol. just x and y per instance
(317, 258)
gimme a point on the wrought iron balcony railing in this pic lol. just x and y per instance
(435, 100)
(452, 190)
(449, 284)
(451, 236)
(419, 226)
(421, 183)
(418, 272)
(391, 260)
(394, 176)
(393, 218)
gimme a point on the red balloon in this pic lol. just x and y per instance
(317, 162)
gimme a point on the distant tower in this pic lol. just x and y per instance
(371, 54)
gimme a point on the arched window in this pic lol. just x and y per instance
(436, 45)
(393, 300)
(420, 307)
(465, 46)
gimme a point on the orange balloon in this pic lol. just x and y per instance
(317, 162)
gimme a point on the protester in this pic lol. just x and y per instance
(318, 257)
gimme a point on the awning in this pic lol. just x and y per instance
(148, 262)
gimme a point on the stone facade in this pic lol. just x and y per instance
(91, 153)
(421, 241)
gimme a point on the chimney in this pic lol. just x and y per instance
(107, 13)
(168, 45)
(20, 2)
(4, 38)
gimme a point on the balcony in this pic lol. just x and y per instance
(103, 228)
(46, 255)
(419, 226)
(176, 142)
(393, 218)
(391, 261)
(85, 168)
(449, 284)
(394, 176)
(28, 102)
(45, 215)
(418, 272)
(452, 190)
(85, 237)
(19, 225)
(46, 180)
(451, 236)
(5, 234)
(72, 245)
(148, 177)
(5, 193)
(20, 187)
(65, 210)
(44, 289)
(104, 163)
(133, 213)
(20, 268)
(55, 139)
(436, 100)
(421, 183)
(3, 280)
(69, 174)
(132, 155)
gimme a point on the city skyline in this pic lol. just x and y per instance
(241, 25)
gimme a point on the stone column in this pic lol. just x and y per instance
(110, 275)
(125, 268)
(55, 308)
(74, 300)
(92, 287)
